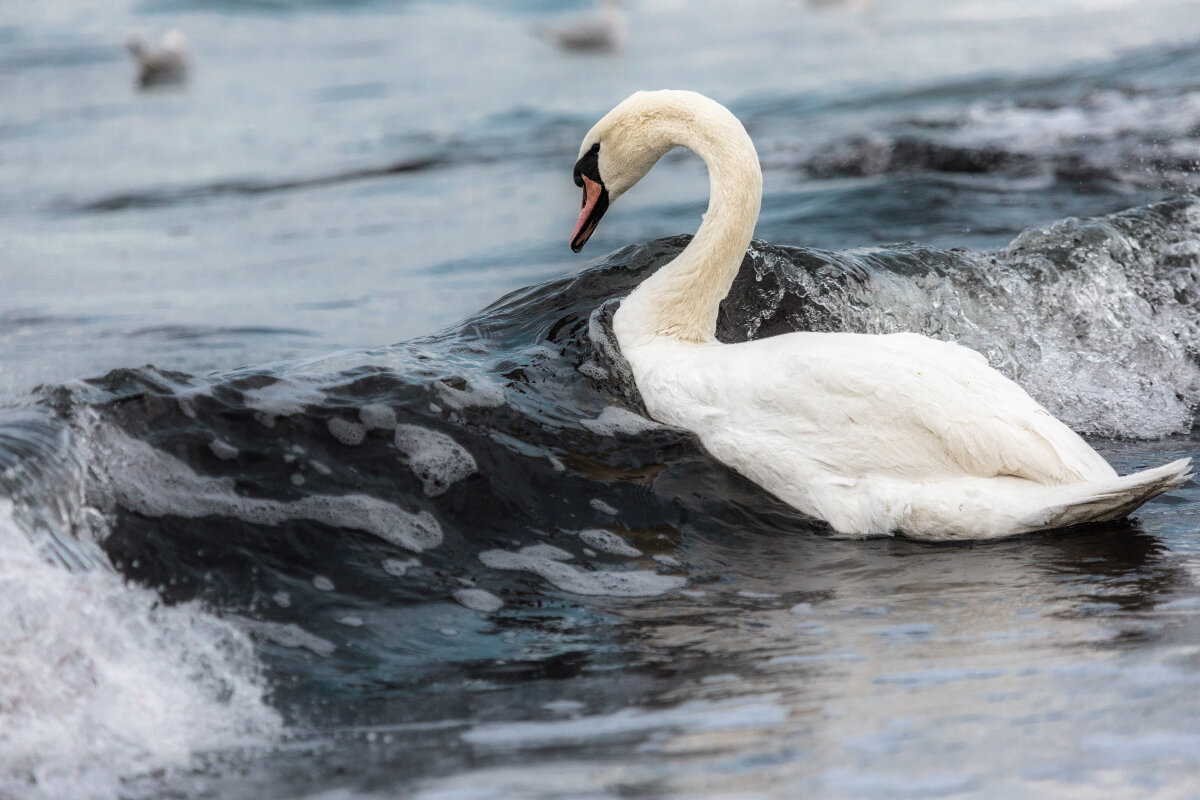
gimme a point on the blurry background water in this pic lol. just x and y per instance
(350, 174)
(342, 175)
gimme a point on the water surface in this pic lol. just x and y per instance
(294, 559)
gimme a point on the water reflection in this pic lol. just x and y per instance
(886, 667)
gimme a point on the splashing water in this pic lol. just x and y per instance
(101, 684)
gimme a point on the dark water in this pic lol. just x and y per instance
(466, 566)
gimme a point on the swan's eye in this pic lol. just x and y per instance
(589, 165)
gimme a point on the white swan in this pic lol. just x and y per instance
(873, 434)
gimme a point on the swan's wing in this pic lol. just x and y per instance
(901, 405)
(986, 422)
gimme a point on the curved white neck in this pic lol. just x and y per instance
(681, 300)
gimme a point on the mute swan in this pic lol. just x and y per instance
(876, 435)
(164, 64)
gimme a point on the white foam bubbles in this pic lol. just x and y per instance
(609, 542)
(547, 551)
(378, 417)
(479, 392)
(149, 481)
(348, 433)
(398, 568)
(479, 600)
(288, 635)
(547, 561)
(602, 507)
(593, 370)
(614, 420)
(101, 683)
(282, 398)
(436, 459)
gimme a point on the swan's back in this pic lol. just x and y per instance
(872, 433)
(902, 405)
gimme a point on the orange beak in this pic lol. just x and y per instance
(595, 203)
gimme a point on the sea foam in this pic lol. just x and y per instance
(609, 542)
(436, 459)
(547, 561)
(101, 684)
(151, 482)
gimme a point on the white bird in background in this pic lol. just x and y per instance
(849, 5)
(164, 64)
(873, 434)
(601, 31)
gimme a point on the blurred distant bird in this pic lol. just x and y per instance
(858, 5)
(166, 63)
(601, 31)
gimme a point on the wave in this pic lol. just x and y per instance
(1120, 138)
(486, 477)
(101, 684)
(1124, 124)
(169, 196)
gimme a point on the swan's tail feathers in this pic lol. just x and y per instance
(1116, 498)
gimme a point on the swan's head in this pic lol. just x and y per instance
(621, 148)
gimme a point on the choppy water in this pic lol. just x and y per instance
(466, 565)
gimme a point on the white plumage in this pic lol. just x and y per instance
(873, 434)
